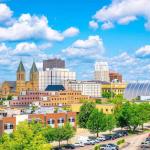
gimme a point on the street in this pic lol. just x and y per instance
(133, 141)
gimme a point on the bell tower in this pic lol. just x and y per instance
(34, 77)
(21, 78)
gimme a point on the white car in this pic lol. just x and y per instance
(145, 144)
(79, 144)
(101, 138)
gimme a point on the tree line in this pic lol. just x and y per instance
(126, 114)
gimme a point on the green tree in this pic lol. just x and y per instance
(69, 131)
(110, 122)
(59, 134)
(24, 138)
(9, 97)
(108, 94)
(129, 116)
(96, 122)
(85, 111)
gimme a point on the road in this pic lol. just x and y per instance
(134, 142)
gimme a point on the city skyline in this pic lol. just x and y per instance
(108, 33)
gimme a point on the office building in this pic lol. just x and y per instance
(89, 88)
(115, 76)
(101, 72)
(53, 63)
(55, 76)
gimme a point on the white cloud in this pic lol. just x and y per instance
(91, 48)
(25, 48)
(124, 11)
(126, 20)
(107, 25)
(5, 12)
(33, 27)
(3, 47)
(70, 32)
(143, 51)
(93, 24)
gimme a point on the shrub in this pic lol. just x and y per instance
(97, 147)
(121, 141)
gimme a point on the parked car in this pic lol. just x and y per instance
(147, 139)
(101, 138)
(113, 145)
(109, 147)
(102, 147)
(145, 144)
(79, 144)
(69, 146)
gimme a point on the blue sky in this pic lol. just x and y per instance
(79, 31)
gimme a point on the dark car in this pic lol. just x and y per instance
(147, 139)
(69, 146)
(108, 137)
(102, 147)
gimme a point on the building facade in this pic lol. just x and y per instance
(16, 87)
(51, 98)
(116, 88)
(105, 108)
(55, 76)
(89, 88)
(101, 72)
(53, 63)
(54, 120)
(115, 76)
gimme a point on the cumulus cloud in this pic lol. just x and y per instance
(124, 11)
(28, 27)
(91, 48)
(5, 12)
(107, 25)
(143, 51)
(70, 32)
(93, 24)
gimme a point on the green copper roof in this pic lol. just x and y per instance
(33, 68)
(21, 67)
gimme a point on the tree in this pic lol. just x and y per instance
(24, 138)
(108, 94)
(110, 122)
(129, 116)
(85, 111)
(96, 122)
(69, 131)
(59, 134)
(9, 97)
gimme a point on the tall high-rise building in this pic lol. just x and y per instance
(55, 76)
(53, 63)
(101, 71)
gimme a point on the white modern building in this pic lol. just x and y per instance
(89, 88)
(55, 76)
(101, 72)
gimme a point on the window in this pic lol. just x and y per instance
(61, 120)
(8, 126)
(51, 121)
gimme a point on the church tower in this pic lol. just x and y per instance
(34, 77)
(21, 78)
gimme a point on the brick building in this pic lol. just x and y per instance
(49, 98)
(115, 76)
(8, 124)
(53, 63)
